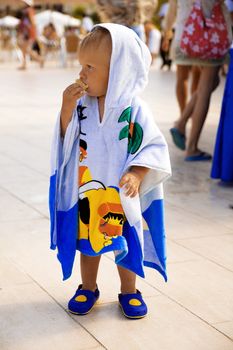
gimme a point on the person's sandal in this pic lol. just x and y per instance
(83, 301)
(200, 157)
(178, 138)
(132, 305)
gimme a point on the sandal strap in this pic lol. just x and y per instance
(129, 296)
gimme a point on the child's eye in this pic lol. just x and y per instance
(89, 67)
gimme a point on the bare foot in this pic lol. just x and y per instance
(21, 68)
(42, 63)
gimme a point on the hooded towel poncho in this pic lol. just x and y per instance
(87, 166)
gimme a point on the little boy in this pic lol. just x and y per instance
(106, 149)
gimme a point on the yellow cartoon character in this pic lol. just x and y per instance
(101, 214)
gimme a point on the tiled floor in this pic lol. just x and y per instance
(193, 311)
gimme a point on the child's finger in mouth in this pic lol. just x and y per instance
(80, 83)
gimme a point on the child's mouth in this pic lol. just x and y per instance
(81, 84)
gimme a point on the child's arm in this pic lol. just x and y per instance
(70, 96)
(132, 180)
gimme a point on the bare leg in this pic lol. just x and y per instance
(23, 45)
(89, 269)
(34, 55)
(180, 124)
(182, 75)
(208, 82)
(128, 280)
(186, 113)
(196, 72)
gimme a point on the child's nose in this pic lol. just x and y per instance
(82, 74)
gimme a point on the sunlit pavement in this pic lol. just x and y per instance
(193, 311)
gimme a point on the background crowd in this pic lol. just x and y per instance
(42, 36)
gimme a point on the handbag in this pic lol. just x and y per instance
(205, 38)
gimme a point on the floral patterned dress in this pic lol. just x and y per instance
(178, 13)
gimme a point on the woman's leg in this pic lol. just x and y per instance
(89, 269)
(128, 280)
(209, 80)
(182, 75)
(186, 113)
(23, 45)
(34, 53)
(36, 57)
(196, 72)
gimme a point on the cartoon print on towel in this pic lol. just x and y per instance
(132, 131)
(101, 216)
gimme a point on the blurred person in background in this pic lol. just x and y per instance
(198, 106)
(183, 71)
(72, 41)
(153, 39)
(87, 24)
(50, 38)
(165, 54)
(131, 13)
(27, 37)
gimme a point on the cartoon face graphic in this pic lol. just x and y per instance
(101, 214)
(112, 219)
(83, 150)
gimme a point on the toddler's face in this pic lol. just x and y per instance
(95, 69)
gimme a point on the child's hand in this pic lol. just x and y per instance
(131, 181)
(70, 96)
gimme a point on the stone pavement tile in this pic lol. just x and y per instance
(21, 183)
(177, 254)
(28, 248)
(23, 236)
(31, 320)
(226, 328)
(203, 287)
(167, 326)
(24, 153)
(205, 205)
(187, 178)
(18, 172)
(218, 249)
(13, 209)
(10, 274)
(26, 243)
(221, 190)
(43, 208)
(182, 224)
(62, 291)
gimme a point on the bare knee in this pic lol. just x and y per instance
(182, 74)
(209, 80)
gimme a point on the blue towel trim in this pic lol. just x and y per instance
(154, 238)
(119, 243)
(133, 261)
(52, 207)
(67, 228)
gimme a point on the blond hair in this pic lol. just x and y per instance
(96, 38)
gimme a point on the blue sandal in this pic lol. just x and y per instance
(132, 305)
(83, 301)
(178, 138)
(200, 157)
